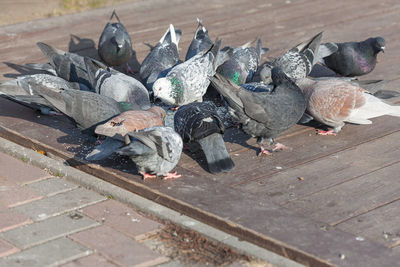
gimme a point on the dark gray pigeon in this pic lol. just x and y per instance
(200, 123)
(188, 82)
(201, 41)
(22, 90)
(161, 58)
(115, 44)
(155, 151)
(241, 67)
(264, 114)
(69, 66)
(123, 88)
(298, 62)
(355, 58)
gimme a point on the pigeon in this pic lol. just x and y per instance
(264, 114)
(200, 123)
(69, 66)
(115, 44)
(188, 81)
(161, 58)
(297, 63)
(201, 41)
(355, 58)
(116, 128)
(334, 102)
(22, 90)
(154, 150)
(131, 93)
(240, 68)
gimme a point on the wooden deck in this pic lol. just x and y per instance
(329, 201)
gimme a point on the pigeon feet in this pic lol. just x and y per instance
(263, 152)
(322, 132)
(172, 175)
(148, 175)
(174, 108)
(279, 146)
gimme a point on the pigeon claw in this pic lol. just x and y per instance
(172, 175)
(148, 175)
(280, 146)
(264, 152)
(322, 132)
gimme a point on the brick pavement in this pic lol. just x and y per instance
(46, 220)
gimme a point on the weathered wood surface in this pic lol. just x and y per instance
(348, 185)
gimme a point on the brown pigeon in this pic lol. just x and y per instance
(334, 102)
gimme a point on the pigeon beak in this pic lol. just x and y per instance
(127, 140)
(383, 49)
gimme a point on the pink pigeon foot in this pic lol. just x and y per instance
(174, 108)
(263, 151)
(147, 175)
(322, 132)
(279, 146)
(172, 175)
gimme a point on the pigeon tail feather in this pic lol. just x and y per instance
(217, 156)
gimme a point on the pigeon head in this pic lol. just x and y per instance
(378, 44)
(117, 42)
(265, 74)
(278, 76)
(163, 90)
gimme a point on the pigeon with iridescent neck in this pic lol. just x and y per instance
(188, 81)
(355, 58)
(241, 67)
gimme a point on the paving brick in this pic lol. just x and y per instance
(12, 194)
(118, 247)
(52, 186)
(6, 248)
(19, 172)
(49, 229)
(60, 203)
(91, 260)
(10, 219)
(122, 218)
(54, 252)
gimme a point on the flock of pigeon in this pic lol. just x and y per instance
(262, 99)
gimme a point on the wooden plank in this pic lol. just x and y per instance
(325, 172)
(351, 198)
(381, 225)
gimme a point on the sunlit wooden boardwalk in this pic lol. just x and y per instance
(331, 200)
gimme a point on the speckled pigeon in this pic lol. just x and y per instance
(201, 41)
(241, 67)
(188, 81)
(264, 114)
(155, 151)
(297, 62)
(115, 44)
(200, 123)
(355, 58)
(334, 102)
(161, 57)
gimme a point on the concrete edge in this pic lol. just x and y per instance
(96, 184)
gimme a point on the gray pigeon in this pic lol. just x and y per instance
(69, 66)
(264, 114)
(200, 123)
(125, 89)
(355, 58)
(22, 90)
(115, 45)
(188, 81)
(161, 58)
(155, 151)
(241, 67)
(201, 41)
(297, 63)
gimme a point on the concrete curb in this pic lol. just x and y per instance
(140, 203)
